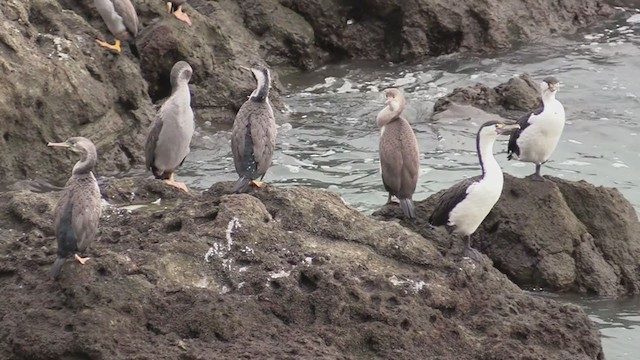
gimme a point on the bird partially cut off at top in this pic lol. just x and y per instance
(122, 21)
(77, 213)
(175, 7)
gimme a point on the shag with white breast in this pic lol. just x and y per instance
(463, 207)
(122, 21)
(540, 130)
(169, 140)
(175, 7)
(78, 211)
(253, 137)
(399, 153)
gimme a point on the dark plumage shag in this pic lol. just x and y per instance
(399, 154)
(463, 207)
(78, 211)
(122, 21)
(540, 130)
(169, 140)
(253, 137)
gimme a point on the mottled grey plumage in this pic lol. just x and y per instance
(122, 21)
(170, 136)
(78, 211)
(253, 137)
(399, 153)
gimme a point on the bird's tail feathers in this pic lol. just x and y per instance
(57, 267)
(242, 185)
(407, 208)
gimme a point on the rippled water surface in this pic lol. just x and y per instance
(328, 138)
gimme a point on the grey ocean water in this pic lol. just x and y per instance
(328, 138)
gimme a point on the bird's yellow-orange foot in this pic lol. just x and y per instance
(115, 47)
(258, 184)
(178, 185)
(180, 15)
(81, 260)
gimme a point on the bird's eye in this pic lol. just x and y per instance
(496, 126)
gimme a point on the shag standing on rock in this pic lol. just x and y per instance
(540, 130)
(175, 7)
(399, 154)
(169, 140)
(122, 20)
(78, 210)
(253, 137)
(463, 207)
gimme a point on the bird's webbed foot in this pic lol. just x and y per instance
(81, 260)
(115, 47)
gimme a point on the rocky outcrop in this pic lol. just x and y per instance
(557, 235)
(410, 30)
(511, 99)
(282, 273)
(59, 83)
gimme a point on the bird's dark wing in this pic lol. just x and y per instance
(241, 145)
(253, 139)
(127, 12)
(86, 211)
(513, 139)
(410, 159)
(263, 134)
(65, 236)
(449, 199)
(391, 163)
(152, 141)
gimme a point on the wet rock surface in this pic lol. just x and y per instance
(411, 30)
(59, 83)
(283, 273)
(557, 235)
(511, 99)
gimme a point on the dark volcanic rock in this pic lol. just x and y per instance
(278, 273)
(58, 83)
(412, 29)
(511, 99)
(559, 235)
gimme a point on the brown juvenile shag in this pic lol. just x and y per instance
(399, 153)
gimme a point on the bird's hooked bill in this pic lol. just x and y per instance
(507, 129)
(60, 144)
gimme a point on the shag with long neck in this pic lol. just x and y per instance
(175, 7)
(399, 154)
(169, 140)
(463, 207)
(78, 211)
(122, 21)
(540, 130)
(253, 137)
